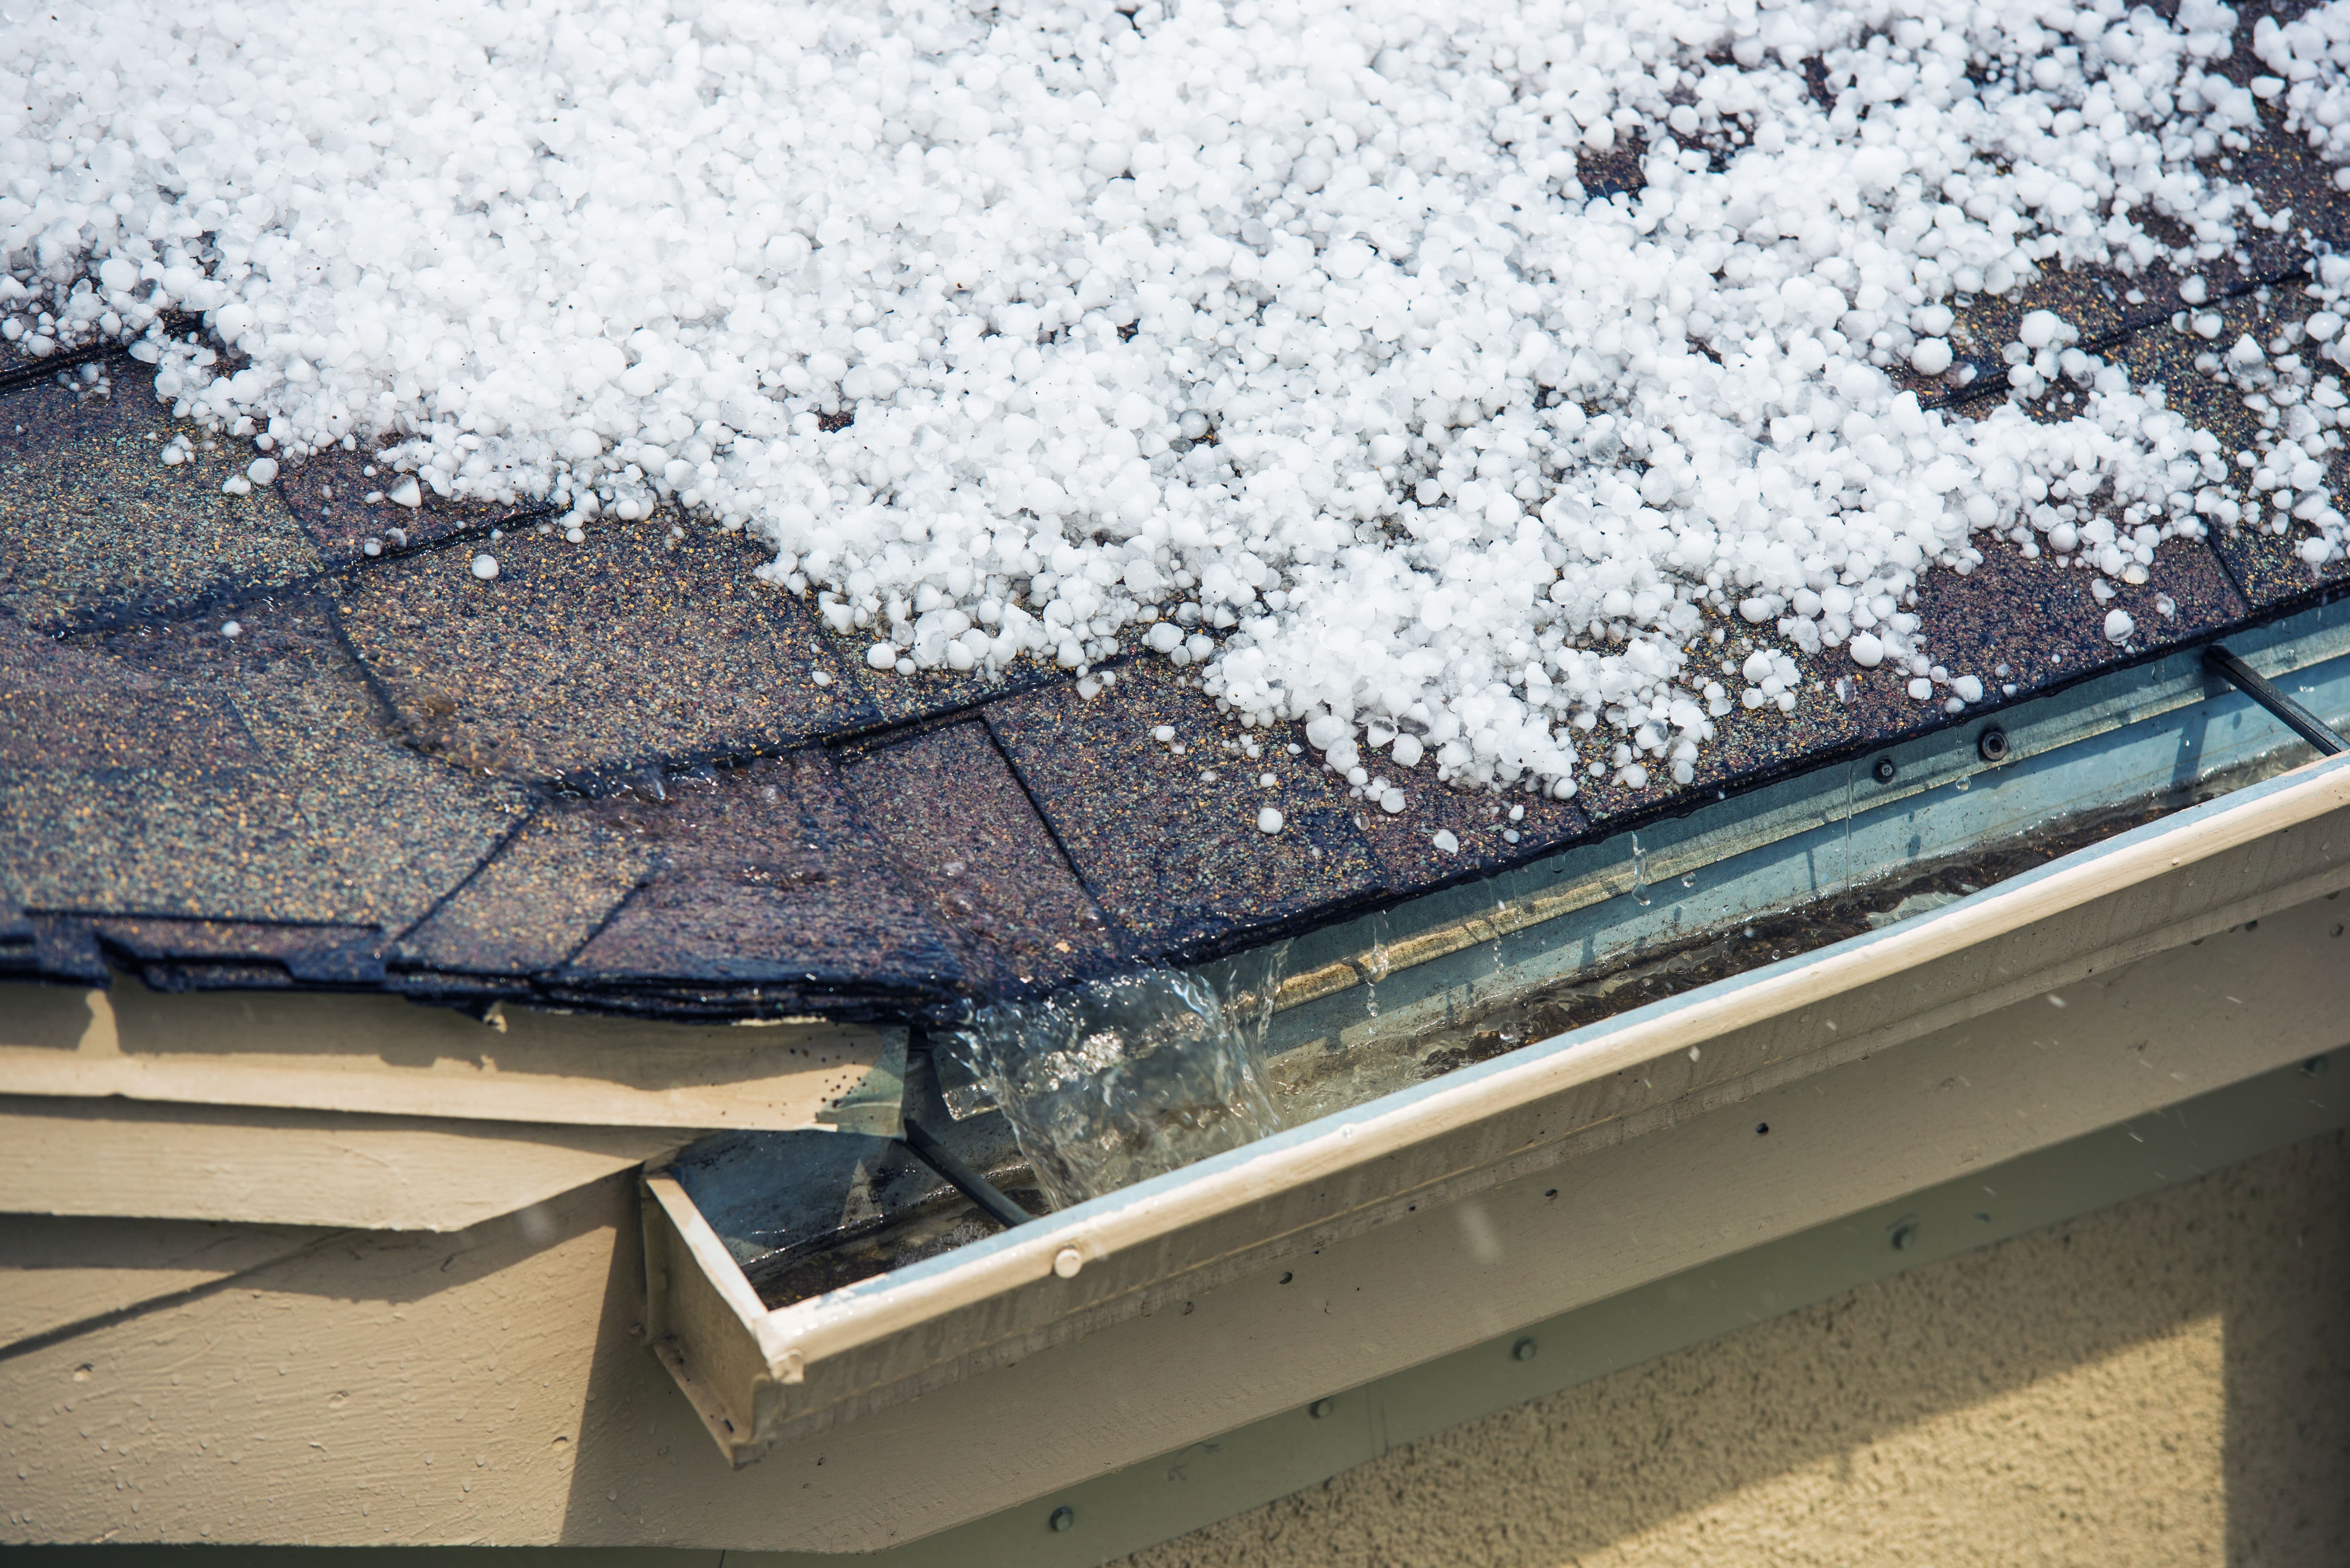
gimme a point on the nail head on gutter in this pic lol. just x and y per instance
(1066, 1263)
(1523, 1349)
(1991, 745)
(1065, 1519)
(1884, 770)
(1321, 1408)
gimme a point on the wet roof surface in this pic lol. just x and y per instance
(629, 774)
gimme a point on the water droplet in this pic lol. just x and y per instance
(1377, 962)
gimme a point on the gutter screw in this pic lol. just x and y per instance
(1523, 1351)
(1065, 1519)
(1884, 770)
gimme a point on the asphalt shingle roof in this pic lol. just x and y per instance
(611, 778)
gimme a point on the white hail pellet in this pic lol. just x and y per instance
(485, 566)
(1268, 820)
(1284, 329)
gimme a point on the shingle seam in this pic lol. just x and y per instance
(591, 783)
(230, 596)
(464, 535)
(976, 961)
(289, 922)
(553, 974)
(22, 377)
(394, 939)
(386, 711)
(882, 729)
(26, 376)
(1991, 380)
(1130, 949)
(2236, 583)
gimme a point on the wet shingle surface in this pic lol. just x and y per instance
(536, 900)
(119, 793)
(766, 888)
(636, 646)
(96, 529)
(1170, 843)
(384, 833)
(2036, 624)
(1411, 853)
(905, 698)
(962, 829)
(628, 774)
(343, 500)
(189, 955)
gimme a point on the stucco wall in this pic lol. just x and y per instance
(2167, 1382)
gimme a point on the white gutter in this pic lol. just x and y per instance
(764, 1377)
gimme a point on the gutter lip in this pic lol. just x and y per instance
(861, 1314)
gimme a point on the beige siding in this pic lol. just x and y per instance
(2163, 1383)
(262, 1165)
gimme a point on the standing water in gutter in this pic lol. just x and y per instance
(1115, 1081)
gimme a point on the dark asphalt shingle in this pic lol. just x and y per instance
(535, 902)
(187, 954)
(968, 839)
(2264, 565)
(328, 494)
(764, 877)
(609, 777)
(167, 770)
(1170, 845)
(96, 529)
(633, 648)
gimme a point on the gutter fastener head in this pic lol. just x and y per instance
(1067, 1261)
(1523, 1349)
(1991, 745)
(1065, 1519)
(1321, 1408)
(1884, 770)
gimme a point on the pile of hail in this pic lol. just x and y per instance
(1278, 336)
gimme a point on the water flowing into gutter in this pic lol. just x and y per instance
(1114, 1081)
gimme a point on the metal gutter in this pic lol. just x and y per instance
(1539, 1231)
(806, 1368)
(1172, 1493)
(2310, 650)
